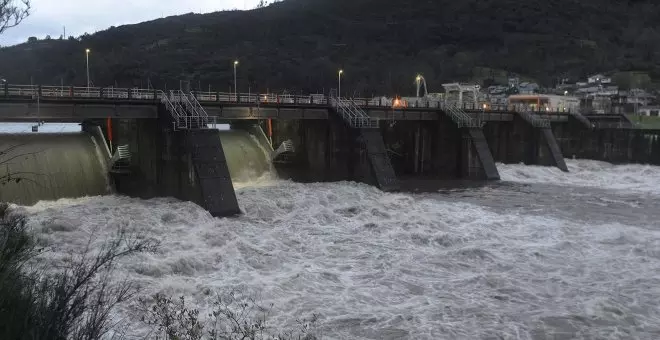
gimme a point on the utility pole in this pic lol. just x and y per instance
(339, 86)
(87, 58)
(235, 84)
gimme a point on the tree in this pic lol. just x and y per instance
(12, 13)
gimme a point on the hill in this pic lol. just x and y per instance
(299, 45)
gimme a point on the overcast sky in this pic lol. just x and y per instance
(79, 16)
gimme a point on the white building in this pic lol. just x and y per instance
(543, 102)
(462, 95)
(599, 79)
(649, 111)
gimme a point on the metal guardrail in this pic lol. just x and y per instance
(582, 119)
(613, 125)
(177, 112)
(352, 114)
(461, 118)
(121, 159)
(191, 114)
(185, 110)
(534, 119)
(198, 109)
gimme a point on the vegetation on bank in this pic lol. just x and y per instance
(76, 300)
(72, 303)
(299, 45)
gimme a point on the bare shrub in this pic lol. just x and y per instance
(230, 319)
(72, 303)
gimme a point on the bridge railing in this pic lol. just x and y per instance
(260, 98)
(33, 91)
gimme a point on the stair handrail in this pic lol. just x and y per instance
(199, 109)
(194, 117)
(352, 113)
(122, 153)
(175, 110)
(584, 120)
(534, 119)
(364, 119)
(461, 118)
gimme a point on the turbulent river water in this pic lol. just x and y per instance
(540, 255)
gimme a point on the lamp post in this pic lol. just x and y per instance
(87, 58)
(339, 89)
(235, 85)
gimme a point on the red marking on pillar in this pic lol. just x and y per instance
(109, 127)
(270, 130)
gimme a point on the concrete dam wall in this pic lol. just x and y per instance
(36, 167)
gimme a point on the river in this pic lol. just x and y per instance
(540, 255)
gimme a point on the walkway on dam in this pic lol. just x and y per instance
(65, 104)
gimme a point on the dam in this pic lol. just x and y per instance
(149, 143)
(50, 166)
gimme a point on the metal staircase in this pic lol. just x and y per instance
(121, 160)
(186, 111)
(353, 114)
(175, 111)
(285, 147)
(461, 118)
(582, 119)
(534, 119)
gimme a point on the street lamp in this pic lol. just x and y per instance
(339, 89)
(235, 85)
(87, 57)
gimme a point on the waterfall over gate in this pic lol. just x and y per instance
(51, 166)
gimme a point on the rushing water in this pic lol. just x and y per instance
(541, 255)
(37, 166)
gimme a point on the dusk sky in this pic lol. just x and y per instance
(49, 17)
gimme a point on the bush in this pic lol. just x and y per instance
(73, 303)
(230, 319)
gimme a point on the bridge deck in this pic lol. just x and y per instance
(74, 104)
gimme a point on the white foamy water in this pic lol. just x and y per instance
(377, 265)
(587, 173)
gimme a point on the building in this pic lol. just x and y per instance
(599, 79)
(649, 111)
(528, 88)
(462, 95)
(543, 102)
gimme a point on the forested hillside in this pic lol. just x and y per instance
(299, 45)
